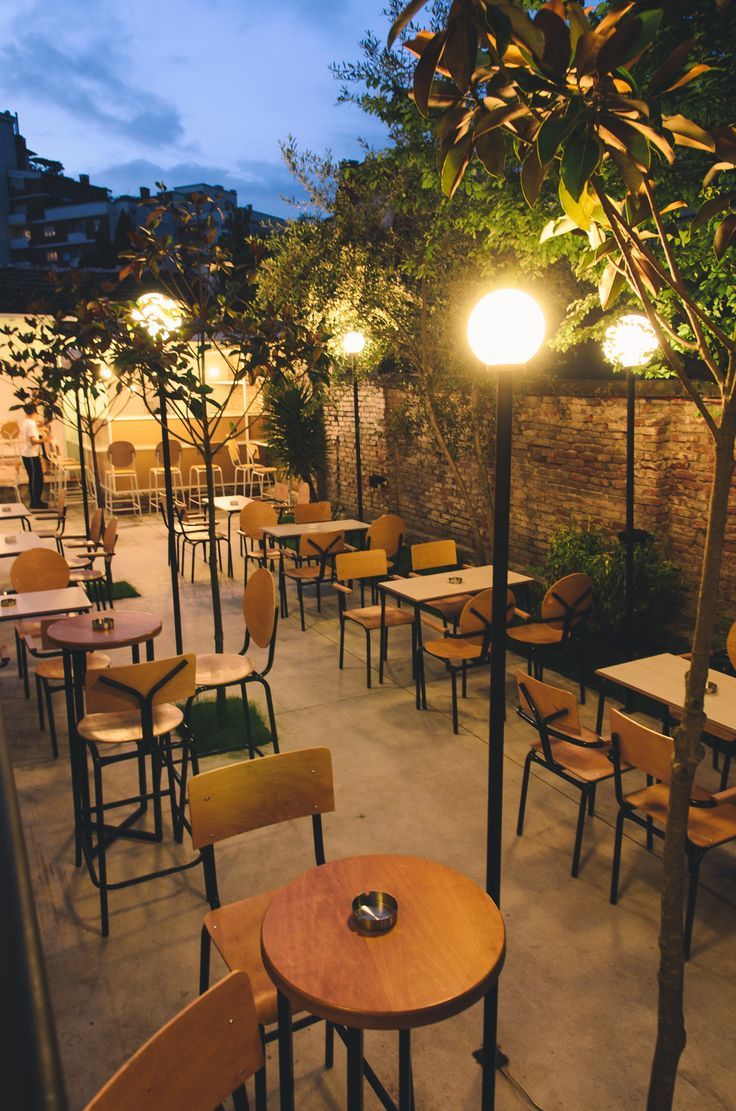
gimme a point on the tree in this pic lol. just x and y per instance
(571, 97)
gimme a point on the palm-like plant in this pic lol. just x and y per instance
(295, 428)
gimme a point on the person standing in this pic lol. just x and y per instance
(30, 450)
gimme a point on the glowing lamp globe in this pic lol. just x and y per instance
(353, 343)
(630, 342)
(506, 328)
(159, 315)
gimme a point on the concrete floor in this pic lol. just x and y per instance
(578, 992)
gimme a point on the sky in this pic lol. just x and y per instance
(184, 91)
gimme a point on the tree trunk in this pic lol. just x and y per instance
(671, 1034)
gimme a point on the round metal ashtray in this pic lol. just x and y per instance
(10, 539)
(103, 624)
(235, 504)
(7, 508)
(8, 600)
(455, 578)
(375, 912)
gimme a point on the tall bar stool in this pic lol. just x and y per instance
(121, 478)
(241, 471)
(261, 474)
(198, 483)
(157, 475)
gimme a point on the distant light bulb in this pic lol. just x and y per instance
(159, 315)
(105, 372)
(353, 343)
(630, 342)
(212, 374)
(506, 328)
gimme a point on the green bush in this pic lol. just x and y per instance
(657, 589)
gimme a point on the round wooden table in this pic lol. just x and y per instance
(444, 954)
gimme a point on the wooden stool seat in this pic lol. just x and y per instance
(369, 617)
(706, 827)
(124, 726)
(536, 634)
(221, 669)
(235, 930)
(53, 669)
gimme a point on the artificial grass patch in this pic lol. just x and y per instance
(123, 589)
(213, 734)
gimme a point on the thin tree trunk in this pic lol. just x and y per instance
(482, 462)
(671, 1034)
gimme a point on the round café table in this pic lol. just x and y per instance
(76, 637)
(444, 954)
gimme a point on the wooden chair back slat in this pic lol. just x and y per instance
(174, 453)
(196, 1060)
(308, 513)
(571, 592)
(255, 516)
(433, 553)
(387, 532)
(39, 569)
(314, 544)
(646, 749)
(259, 606)
(280, 491)
(95, 526)
(100, 698)
(110, 536)
(361, 565)
(731, 645)
(240, 797)
(476, 614)
(121, 453)
(548, 700)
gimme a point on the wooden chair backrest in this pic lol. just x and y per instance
(314, 544)
(387, 532)
(110, 536)
(252, 794)
(121, 453)
(174, 453)
(196, 1060)
(101, 698)
(60, 507)
(259, 606)
(573, 591)
(548, 700)
(253, 453)
(309, 512)
(95, 526)
(255, 516)
(433, 553)
(476, 614)
(371, 564)
(10, 430)
(234, 453)
(731, 645)
(39, 569)
(280, 491)
(646, 749)
(303, 494)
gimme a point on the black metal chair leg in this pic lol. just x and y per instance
(524, 789)
(368, 658)
(51, 718)
(591, 798)
(271, 714)
(453, 682)
(101, 849)
(248, 727)
(39, 702)
(726, 770)
(329, 1045)
(342, 644)
(579, 833)
(205, 951)
(300, 593)
(406, 1092)
(618, 837)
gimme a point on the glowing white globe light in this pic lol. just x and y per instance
(506, 328)
(630, 342)
(353, 343)
(105, 372)
(158, 314)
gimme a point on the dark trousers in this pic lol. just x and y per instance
(34, 470)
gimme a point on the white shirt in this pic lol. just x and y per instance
(29, 433)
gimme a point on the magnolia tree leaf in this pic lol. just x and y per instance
(579, 210)
(455, 164)
(579, 162)
(491, 149)
(560, 226)
(724, 235)
(610, 285)
(405, 18)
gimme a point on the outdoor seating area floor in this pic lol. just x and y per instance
(578, 991)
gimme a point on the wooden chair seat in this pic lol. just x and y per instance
(124, 726)
(221, 669)
(85, 574)
(454, 651)
(588, 764)
(369, 617)
(53, 669)
(235, 930)
(535, 634)
(307, 571)
(705, 827)
(29, 628)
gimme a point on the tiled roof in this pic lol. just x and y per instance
(28, 289)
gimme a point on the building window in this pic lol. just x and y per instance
(52, 256)
(27, 234)
(49, 231)
(96, 225)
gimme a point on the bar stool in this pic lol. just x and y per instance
(198, 483)
(157, 475)
(260, 473)
(241, 471)
(121, 478)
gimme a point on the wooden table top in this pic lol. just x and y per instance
(11, 511)
(343, 524)
(131, 627)
(663, 679)
(444, 953)
(45, 603)
(426, 588)
(13, 543)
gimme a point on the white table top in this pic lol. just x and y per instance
(232, 504)
(426, 588)
(284, 532)
(13, 543)
(12, 511)
(46, 603)
(663, 679)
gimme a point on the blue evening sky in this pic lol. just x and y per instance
(184, 90)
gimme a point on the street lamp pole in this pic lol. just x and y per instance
(353, 343)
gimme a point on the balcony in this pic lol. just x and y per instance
(17, 219)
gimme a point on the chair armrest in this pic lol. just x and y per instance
(414, 575)
(522, 613)
(434, 625)
(396, 576)
(467, 566)
(723, 797)
(341, 588)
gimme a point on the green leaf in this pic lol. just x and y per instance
(579, 162)
(711, 208)
(617, 48)
(550, 135)
(689, 134)
(725, 233)
(406, 17)
(461, 51)
(560, 226)
(491, 150)
(425, 70)
(523, 29)
(455, 164)
(580, 211)
(610, 285)
(556, 55)
(497, 117)
(671, 69)
(650, 22)
(532, 176)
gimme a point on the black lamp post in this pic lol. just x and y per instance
(505, 330)
(353, 343)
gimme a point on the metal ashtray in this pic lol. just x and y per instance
(103, 624)
(7, 508)
(8, 600)
(235, 503)
(375, 912)
(455, 578)
(711, 688)
(11, 539)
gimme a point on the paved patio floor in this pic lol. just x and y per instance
(578, 992)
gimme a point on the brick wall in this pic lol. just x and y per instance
(569, 444)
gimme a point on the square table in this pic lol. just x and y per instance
(46, 603)
(422, 590)
(13, 543)
(15, 511)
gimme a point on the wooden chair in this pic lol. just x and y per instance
(197, 1060)
(135, 706)
(37, 569)
(469, 647)
(564, 747)
(712, 817)
(239, 798)
(301, 495)
(219, 670)
(431, 557)
(387, 533)
(312, 562)
(157, 474)
(195, 534)
(254, 517)
(98, 581)
(312, 512)
(565, 607)
(368, 567)
(260, 472)
(57, 515)
(241, 471)
(79, 543)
